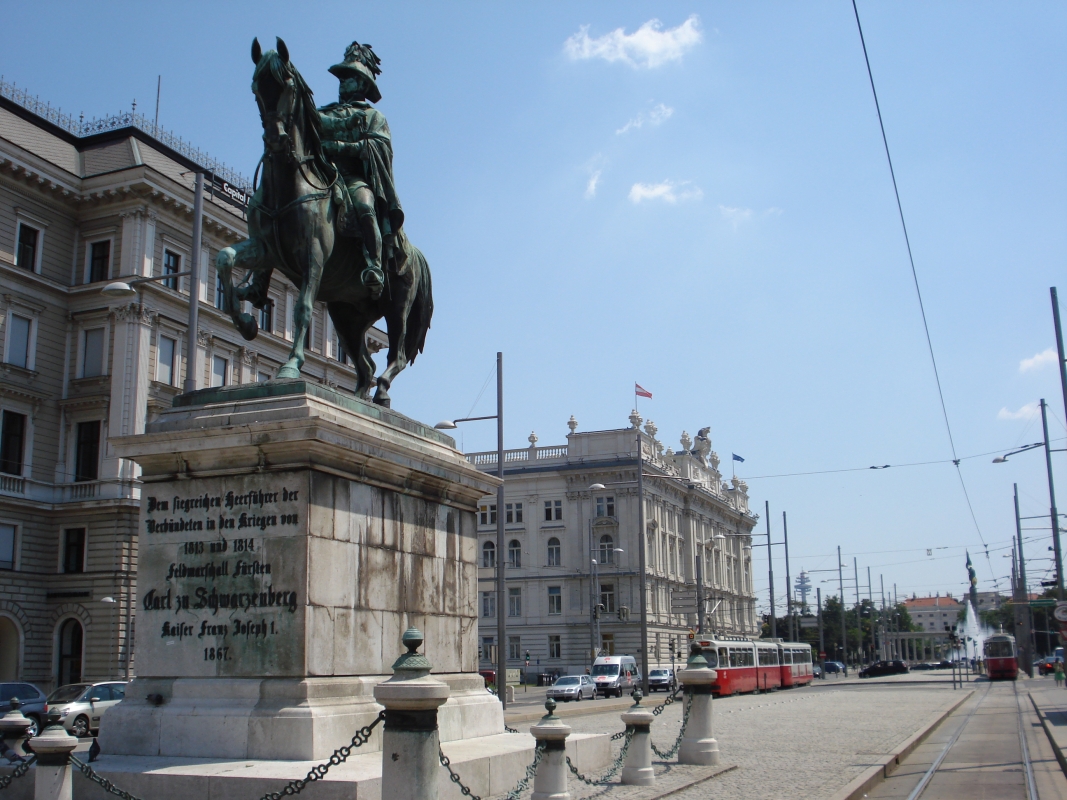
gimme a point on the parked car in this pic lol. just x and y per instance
(833, 667)
(923, 666)
(489, 675)
(943, 664)
(81, 705)
(572, 687)
(661, 679)
(880, 668)
(33, 700)
(816, 671)
(615, 675)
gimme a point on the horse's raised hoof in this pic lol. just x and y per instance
(248, 326)
(381, 398)
(288, 371)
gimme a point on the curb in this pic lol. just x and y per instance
(683, 787)
(573, 710)
(1048, 733)
(857, 788)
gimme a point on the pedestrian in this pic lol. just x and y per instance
(1059, 673)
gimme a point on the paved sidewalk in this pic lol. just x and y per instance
(1050, 703)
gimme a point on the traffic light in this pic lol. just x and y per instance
(527, 658)
(692, 634)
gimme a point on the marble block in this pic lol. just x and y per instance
(289, 534)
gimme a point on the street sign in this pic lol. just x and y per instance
(809, 622)
(684, 594)
(1044, 602)
(1061, 612)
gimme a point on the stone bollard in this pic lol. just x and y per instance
(698, 747)
(54, 779)
(638, 768)
(13, 727)
(411, 761)
(550, 781)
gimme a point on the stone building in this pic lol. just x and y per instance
(82, 203)
(698, 526)
(934, 613)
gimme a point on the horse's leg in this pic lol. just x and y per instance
(312, 259)
(246, 255)
(396, 320)
(351, 331)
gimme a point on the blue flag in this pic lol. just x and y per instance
(738, 458)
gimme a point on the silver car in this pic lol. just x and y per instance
(81, 705)
(572, 687)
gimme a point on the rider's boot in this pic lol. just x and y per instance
(373, 277)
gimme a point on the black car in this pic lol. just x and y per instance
(881, 668)
(32, 699)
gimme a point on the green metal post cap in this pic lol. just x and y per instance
(412, 661)
(550, 706)
(696, 658)
(412, 639)
(638, 696)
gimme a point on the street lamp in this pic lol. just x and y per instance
(501, 624)
(1053, 514)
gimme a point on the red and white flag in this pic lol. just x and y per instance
(642, 392)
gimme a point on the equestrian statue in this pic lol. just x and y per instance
(328, 216)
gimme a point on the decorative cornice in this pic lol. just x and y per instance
(136, 313)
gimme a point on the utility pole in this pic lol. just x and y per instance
(700, 591)
(788, 582)
(501, 592)
(1025, 633)
(844, 629)
(194, 286)
(870, 602)
(881, 587)
(1052, 502)
(1059, 346)
(642, 585)
(859, 601)
(822, 642)
(770, 565)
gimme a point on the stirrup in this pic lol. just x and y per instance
(373, 278)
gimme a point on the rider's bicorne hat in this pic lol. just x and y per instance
(360, 61)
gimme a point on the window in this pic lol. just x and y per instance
(488, 555)
(514, 554)
(87, 451)
(28, 247)
(12, 442)
(488, 604)
(165, 366)
(220, 293)
(172, 265)
(266, 317)
(219, 368)
(607, 549)
(512, 512)
(607, 597)
(18, 340)
(262, 377)
(515, 602)
(554, 559)
(7, 546)
(555, 600)
(99, 261)
(70, 652)
(514, 647)
(605, 506)
(73, 550)
(488, 649)
(92, 352)
(607, 644)
(554, 648)
(487, 515)
(553, 510)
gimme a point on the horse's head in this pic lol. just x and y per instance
(274, 84)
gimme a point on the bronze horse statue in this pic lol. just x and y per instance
(293, 221)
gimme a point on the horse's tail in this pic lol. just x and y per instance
(421, 307)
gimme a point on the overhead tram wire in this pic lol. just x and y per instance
(915, 279)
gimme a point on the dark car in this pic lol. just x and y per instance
(947, 664)
(881, 668)
(661, 679)
(834, 667)
(923, 665)
(33, 700)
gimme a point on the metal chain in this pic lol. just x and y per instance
(615, 767)
(669, 754)
(509, 730)
(520, 787)
(452, 776)
(18, 772)
(659, 709)
(107, 785)
(616, 736)
(340, 755)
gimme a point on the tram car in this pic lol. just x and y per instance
(1000, 657)
(749, 665)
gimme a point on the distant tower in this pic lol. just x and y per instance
(803, 587)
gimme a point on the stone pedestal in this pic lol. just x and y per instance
(289, 534)
(52, 778)
(550, 781)
(698, 746)
(637, 771)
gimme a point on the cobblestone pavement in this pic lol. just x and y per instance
(806, 742)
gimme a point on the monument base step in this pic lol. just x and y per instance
(489, 765)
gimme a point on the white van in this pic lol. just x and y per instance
(614, 675)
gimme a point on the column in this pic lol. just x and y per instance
(129, 384)
(53, 779)
(698, 746)
(550, 781)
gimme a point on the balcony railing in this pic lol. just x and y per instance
(524, 454)
(42, 492)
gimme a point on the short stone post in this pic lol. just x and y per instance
(550, 780)
(637, 771)
(698, 746)
(411, 762)
(54, 779)
(13, 727)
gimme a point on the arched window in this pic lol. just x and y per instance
(554, 554)
(514, 554)
(9, 650)
(488, 554)
(70, 652)
(607, 548)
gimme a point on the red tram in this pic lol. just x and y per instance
(749, 665)
(1000, 657)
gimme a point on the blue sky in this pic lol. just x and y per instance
(695, 197)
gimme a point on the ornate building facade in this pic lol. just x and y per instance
(698, 528)
(81, 204)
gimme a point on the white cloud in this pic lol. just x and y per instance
(1029, 411)
(735, 216)
(1040, 360)
(648, 46)
(667, 191)
(657, 116)
(590, 188)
